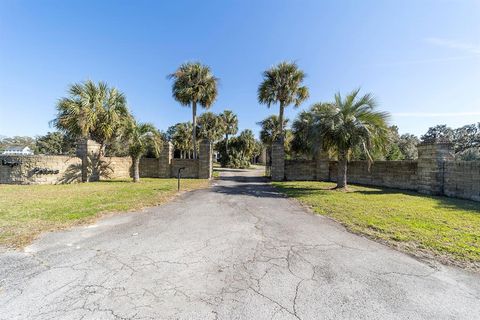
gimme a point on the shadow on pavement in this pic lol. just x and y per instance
(250, 189)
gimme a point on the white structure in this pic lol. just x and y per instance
(16, 151)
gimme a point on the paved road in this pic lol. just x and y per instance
(238, 250)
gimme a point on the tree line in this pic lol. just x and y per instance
(347, 127)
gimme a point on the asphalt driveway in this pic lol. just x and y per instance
(238, 250)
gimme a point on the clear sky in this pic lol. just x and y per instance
(421, 58)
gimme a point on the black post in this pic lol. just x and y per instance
(179, 173)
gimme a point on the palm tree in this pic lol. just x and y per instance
(348, 123)
(270, 130)
(303, 135)
(194, 83)
(230, 125)
(181, 138)
(209, 127)
(282, 84)
(139, 136)
(92, 111)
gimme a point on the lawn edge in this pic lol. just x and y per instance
(95, 218)
(426, 256)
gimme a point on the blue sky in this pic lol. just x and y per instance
(421, 58)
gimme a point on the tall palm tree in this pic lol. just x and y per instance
(139, 136)
(230, 125)
(92, 111)
(194, 83)
(348, 123)
(282, 84)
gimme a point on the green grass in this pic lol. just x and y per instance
(445, 228)
(26, 211)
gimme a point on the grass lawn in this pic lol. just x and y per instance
(446, 228)
(26, 211)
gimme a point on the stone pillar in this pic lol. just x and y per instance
(431, 166)
(277, 171)
(165, 160)
(205, 162)
(322, 161)
(89, 151)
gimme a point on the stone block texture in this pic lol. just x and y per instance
(277, 169)
(431, 167)
(462, 179)
(205, 160)
(190, 165)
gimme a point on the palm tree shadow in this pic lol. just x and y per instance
(96, 169)
(72, 174)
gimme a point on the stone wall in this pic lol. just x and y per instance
(88, 166)
(190, 165)
(462, 179)
(300, 170)
(40, 169)
(117, 168)
(435, 172)
(391, 174)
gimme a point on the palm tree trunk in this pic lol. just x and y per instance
(226, 144)
(194, 131)
(280, 120)
(342, 170)
(136, 168)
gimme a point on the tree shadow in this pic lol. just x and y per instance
(72, 174)
(251, 179)
(251, 189)
(97, 169)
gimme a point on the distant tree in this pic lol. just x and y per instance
(408, 146)
(282, 84)
(246, 141)
(180, 136)
(55, 143)
(472, 154)
(257, 151)
(210, 127)
(438, 133)
(348, 123)
(93, 111)
(465, 140)
(304, 134)
(230, 125)
(138, 137)
(18, 141)
(194, 83)
(242, 150)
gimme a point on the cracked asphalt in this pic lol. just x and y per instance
(238, 250)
